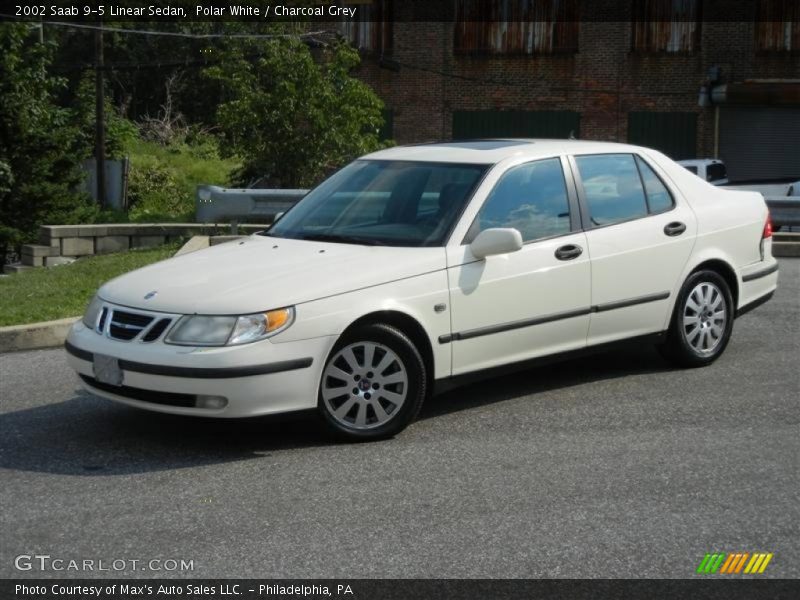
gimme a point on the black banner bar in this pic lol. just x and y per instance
(321, 11)
(398, 589)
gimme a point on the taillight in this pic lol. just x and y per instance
(767, 228)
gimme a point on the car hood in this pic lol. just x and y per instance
(260, 273)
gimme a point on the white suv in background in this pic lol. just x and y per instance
(708, 169)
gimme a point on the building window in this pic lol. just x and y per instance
(516, 27)
(666, 25)
(371, 30)
(778, 26)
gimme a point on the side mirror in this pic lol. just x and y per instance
(496, 241)
(278, 216)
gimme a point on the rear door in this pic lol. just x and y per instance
(640, 234)
(528, 303)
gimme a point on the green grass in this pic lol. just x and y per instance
(163, 179)
(64, 291)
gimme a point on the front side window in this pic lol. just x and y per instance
(380, 202)
(531, 198)
(612, 187)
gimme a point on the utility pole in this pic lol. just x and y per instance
(100, 119)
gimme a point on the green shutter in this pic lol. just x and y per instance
(673, 133)
(472, 124)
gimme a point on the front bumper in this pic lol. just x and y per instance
(265, 377)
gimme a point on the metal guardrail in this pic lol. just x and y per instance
(785, 210)
(214, 204)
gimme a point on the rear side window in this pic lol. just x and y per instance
(658, 197)
(613, 188)
(531, 198)
(716, 172)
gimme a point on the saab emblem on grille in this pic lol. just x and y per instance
(149, 295)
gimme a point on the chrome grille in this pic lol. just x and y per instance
(126, 325)
(156, 330)
(101, 325)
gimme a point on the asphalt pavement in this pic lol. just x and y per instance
(609, 466)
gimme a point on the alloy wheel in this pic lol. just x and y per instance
(705, 317)
(364, 385)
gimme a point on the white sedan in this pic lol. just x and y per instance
(416, 268)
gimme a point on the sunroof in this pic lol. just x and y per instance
(485, 144)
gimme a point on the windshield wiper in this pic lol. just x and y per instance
(343, 239)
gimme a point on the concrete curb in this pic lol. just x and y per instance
(46, 334)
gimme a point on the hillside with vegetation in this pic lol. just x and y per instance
(270, 103)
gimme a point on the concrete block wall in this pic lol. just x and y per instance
(59, 244)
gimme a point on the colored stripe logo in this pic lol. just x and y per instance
(734, 563)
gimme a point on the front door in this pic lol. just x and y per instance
(528, 303)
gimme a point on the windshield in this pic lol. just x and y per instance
(377, 202)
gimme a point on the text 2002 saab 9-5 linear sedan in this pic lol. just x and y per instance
(414, 266)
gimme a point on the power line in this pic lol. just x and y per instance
(197, 36)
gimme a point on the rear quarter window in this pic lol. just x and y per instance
(658, 197)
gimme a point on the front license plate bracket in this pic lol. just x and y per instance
(107, 370)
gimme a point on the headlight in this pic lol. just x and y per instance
(92, 312)
(198, 330)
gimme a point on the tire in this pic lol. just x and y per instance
(361, 401)
(702, 321)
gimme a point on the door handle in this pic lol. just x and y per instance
(674, 228)
(569, 252)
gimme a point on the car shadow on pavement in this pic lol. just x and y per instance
(635, 359)
(88, 436)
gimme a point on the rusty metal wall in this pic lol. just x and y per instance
(778, 26)
(666, 25)
(516, 26)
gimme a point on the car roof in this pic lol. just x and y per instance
(491, 151)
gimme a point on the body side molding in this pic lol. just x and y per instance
(511, 325)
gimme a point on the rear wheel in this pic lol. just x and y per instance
(702, 321)
(373, 384)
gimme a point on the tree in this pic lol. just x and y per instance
(39, 148)
(294, 119)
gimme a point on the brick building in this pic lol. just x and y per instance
(605, 70)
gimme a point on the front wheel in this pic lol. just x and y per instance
(373, 384)
(702, 322)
